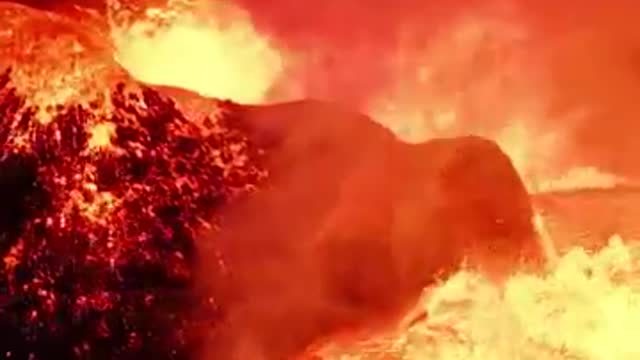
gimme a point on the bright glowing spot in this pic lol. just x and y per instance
(582, 177)
(100, 135)
(544, 238)
(222, 59)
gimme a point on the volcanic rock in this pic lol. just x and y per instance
(106, 184)
(352, 224)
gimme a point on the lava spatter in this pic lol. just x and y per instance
(99, 217)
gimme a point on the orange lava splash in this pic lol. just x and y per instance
(105, 184)
(584, 307)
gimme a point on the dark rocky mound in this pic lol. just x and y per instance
(98, 237)
(104, 243)
(352, 224)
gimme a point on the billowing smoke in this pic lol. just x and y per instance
(567, 72)
(345, 50)
(553, 82)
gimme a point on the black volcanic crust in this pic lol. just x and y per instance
(98, 242)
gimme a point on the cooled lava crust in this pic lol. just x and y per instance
(98, 219)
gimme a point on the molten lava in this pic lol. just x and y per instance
(105, 185)
(105, 212)
(208, 47)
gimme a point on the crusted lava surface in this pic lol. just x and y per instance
(98, 219)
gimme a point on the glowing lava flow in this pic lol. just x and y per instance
(104, 184)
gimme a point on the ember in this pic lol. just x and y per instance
(99, 219)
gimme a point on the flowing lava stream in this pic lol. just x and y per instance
(584, 306)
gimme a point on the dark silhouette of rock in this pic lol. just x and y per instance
(352, 224)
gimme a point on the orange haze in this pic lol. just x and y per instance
(551, 82)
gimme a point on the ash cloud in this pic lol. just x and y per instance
(344, 49)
